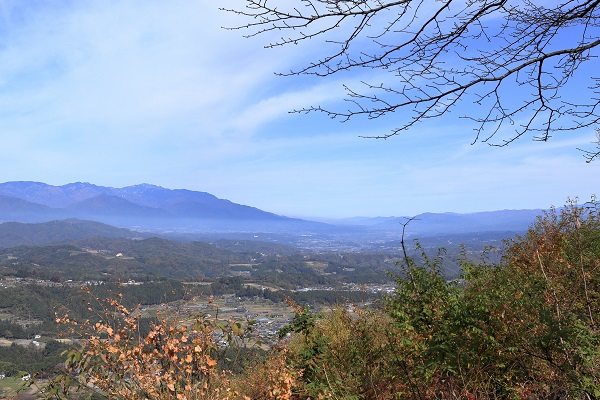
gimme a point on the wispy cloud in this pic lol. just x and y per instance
(119, 93)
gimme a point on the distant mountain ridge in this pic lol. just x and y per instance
(433, 223)
(147, 207)
(35, 201)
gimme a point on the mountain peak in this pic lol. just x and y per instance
(134, 202)
(79, 185)
(144, 186)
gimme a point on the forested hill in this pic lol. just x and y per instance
(17, 234)
(118, 258)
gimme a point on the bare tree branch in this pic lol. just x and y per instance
(517, 62)
(590, 155)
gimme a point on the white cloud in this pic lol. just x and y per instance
(119, 93)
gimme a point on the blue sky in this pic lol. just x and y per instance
(118, 93)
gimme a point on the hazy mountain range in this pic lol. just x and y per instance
(145, 201)
(143, 207)
(147, 207)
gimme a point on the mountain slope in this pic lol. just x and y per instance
(16, 209)
(134, 202)
(18, 234)
(105, 204)
(116, 258)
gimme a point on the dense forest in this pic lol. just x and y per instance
(120, 259)
(16, 360)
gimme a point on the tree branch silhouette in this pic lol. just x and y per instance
(516, 63)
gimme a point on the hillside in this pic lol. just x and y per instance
(98, 258)
(18, 234)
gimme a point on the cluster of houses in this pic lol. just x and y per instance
(25, 377)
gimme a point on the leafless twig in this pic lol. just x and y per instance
(517, 62)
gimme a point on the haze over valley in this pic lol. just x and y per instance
(186, 214)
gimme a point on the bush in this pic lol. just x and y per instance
(522, 328)
(174, 360)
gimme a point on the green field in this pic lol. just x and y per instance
(10, 386)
